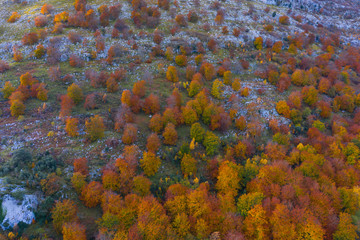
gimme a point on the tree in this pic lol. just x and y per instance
(126, 97)
(247, 201)
(30, 38)
(75, 93)
(195, 85)
(14, 17)
(73, 231)
(46, 9)
(4, 66)
(63, 212)
(66, 105)
(111, 85)
(277, 47)
(153, 143)
(130, 134)
(188, 165)
(283, 109)
(141, 185)
(111, 180)
(18, 56)
(27, 79)
(42, 92)
(310, 95)
(40, 21)
(72, 126)
(170, 134)
(181, 60)
(346, 230)
(207, 70)
(81, 166)
(156, 123)
(181, 20)
(182, 225)
(281, 225)
(95, 128)
(217, 89)
(151, 104)
(78, 181)
(258, 43)
(256, 223)
(211, 143)
(150, 163)
(7, 90)
(91, 194)
(284, 20)
(171, 74)
(17, 108)
(298, 78)
(228, 77)
(189, 114)
(228, 180)
(240, 123)
(139, 88)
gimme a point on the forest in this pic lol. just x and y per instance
(178, 119)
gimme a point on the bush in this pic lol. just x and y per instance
(192, 17)
(14, 17)
(95, 128)
(197, 132)
(181, 60)
(258, 43)
(207, 70)
(211, 143)
(74, 37)
(130, 134)
(30, 38)
(284, 20)
(76, 61)
(46, 9)
(75, 93)
(17, 108)
(180, 19)
(171, 74)
(40, 21)
(4, 66)
(170, 134)
(40, 51)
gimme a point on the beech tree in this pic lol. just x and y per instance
(150, 163)
(91, 194)
(95, 128)
(63, 212)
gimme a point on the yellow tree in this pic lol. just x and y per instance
(95, 128)
(150, 163)
(256, 224)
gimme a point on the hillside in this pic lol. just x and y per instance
(177, 119)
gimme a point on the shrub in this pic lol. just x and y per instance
(277, 46)
(4, 66)
(298, 78)
(14, 17)
(46, 9)
(240, 123)
(7, 90)
(74, 37)
(73, 230)
(42, 92)
(258, 43)
(211, 143)
(195, 87)
(63, 212)
(153, 143)
(181, 60)
(40, 51)
(111, 85)
(181, 20)
(188, 165)
(75, 93)
(61, 17)
(189, 114)
(207, 70)
(130, 134)
(76, 61)
(71, 126)
(151, 104)
(95, 128)
(283, 109)
(156, 123)
(17, 108)
(170, 134)
(284, 20)
(150, 163)
(18, 56)
(91, 194)
(171, 74)
(81, 166)
(310, 95)
(217, 89)
(139, 88)
(40, 21)
(192, 16)
(66, 105)
(30, 38)
(197, 132)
